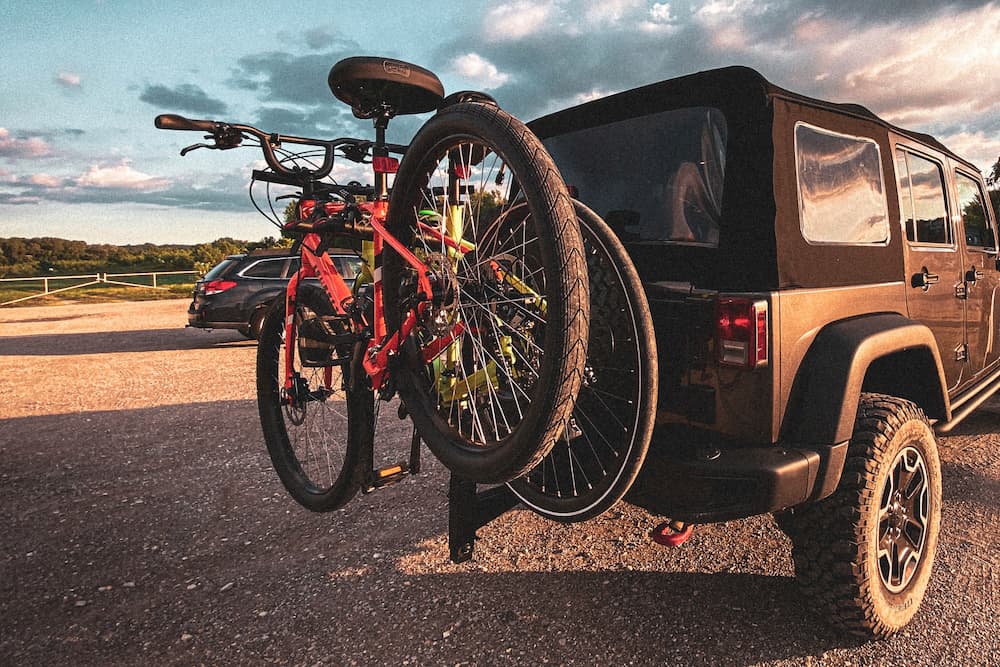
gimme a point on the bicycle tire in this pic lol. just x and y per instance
(316, 443)
(594, 464)
(492, 430)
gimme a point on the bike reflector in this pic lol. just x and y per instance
(385, 165)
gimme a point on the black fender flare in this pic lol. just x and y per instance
(823, 402)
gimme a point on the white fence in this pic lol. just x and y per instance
(89, 279)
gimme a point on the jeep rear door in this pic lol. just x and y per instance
(933, 265)
(982, 280)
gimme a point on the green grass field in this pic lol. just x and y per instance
(168, 287)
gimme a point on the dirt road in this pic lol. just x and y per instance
(142, 524)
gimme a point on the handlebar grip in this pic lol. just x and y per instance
(272, 177)
(170, 121)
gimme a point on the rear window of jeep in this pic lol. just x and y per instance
(841, 188)
(655, 179)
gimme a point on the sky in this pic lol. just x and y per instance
(83, 79)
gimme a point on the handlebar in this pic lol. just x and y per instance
(230, 135)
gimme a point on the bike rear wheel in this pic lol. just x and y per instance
(314, 430)
(492, 370)
(598, 458)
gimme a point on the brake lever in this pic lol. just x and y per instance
(192, 147)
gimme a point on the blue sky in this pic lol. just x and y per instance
(82, 81)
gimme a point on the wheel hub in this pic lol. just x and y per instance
(903, 519)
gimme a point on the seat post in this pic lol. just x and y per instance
(379, 150)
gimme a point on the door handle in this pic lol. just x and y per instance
(973, 275)
(924, 279)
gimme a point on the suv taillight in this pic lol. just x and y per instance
(741, 333)
(217, 286)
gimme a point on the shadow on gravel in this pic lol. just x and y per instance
(149, 340)
(162, 536)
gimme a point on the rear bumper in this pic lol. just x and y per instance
(707, 482)
(197, 318)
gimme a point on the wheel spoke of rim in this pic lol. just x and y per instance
(493, 399)
(600, 395)
(913, 535)
(502, 300)
(887, 493)
(593, 426)
(574, 458)
(555, 476)
(884, 537)
(474, 413)
(524, 338)
(500, 365)
(489, 313)
(488, 250)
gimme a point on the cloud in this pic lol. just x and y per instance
(122, 184)
(318, 38)
(921, 64)
(45, 180)
(22, 148)
(516, 20)
(186, 97)
(283, 77)
(68, 79)
(120, 176)
(474, 66)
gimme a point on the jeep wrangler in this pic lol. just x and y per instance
(823, 293)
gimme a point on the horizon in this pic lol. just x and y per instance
(80, 159)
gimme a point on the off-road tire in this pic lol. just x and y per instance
(836, 542)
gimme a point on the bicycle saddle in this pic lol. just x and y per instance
(373, 86)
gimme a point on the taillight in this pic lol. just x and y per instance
(742, 332)
(217, 286)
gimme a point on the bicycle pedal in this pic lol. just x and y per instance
(387, 475)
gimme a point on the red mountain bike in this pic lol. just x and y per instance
(473, 306)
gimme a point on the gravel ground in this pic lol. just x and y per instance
(143, 525)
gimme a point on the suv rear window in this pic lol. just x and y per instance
(656, 178)
(841, 191)
(222, 268)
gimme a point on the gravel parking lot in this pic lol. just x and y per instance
(142, 524)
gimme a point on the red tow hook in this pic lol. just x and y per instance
(672, 533)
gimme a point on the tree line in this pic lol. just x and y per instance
(24, 257)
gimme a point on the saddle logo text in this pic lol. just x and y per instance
(398, 69)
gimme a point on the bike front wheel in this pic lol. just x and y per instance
(314, 429)
(491, 370)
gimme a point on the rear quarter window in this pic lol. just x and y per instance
(221, 269)
(841, 188)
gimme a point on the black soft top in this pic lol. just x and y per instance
(760, 244)
(737, 91)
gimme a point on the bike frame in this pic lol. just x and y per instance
(382, 346)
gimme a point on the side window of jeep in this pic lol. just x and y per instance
(921, 200)
(841, 189)
(975, 223)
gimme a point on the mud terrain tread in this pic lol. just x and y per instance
(830, 537)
